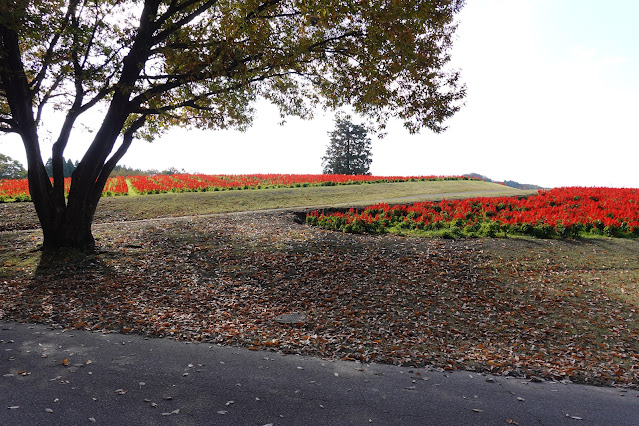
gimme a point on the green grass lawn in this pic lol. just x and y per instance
(199, 203)
(110, 209)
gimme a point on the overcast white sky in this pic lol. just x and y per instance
(552, 100)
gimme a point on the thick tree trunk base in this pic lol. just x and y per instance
(76, 236)
(83, 244)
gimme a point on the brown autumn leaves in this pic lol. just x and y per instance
(453, 304)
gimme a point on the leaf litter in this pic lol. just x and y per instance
(406, 301)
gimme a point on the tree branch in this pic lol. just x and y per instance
(14, 82)
(57, 151)
(173, 9)
(336, 38)
(87, 51)
(8, 121)
(46, 61)
(262, 8)
(117, 156)
(181, 22)
(47, 96)
(279, 15)
(192, 103)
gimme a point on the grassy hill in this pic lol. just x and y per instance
(112, 209)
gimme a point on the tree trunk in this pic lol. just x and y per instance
(71, 229)
(67, 222)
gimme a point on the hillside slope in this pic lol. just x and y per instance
(14, 216)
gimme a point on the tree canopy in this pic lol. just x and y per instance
(11, 169)
(349, 149)
(153, 64)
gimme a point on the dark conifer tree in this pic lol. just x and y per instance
(349, 150)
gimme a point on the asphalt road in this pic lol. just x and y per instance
(69, 377)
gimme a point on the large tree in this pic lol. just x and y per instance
(349, 149)
(10, 168)
(148, 65)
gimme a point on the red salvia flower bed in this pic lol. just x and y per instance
(18, 189)
(560, 212)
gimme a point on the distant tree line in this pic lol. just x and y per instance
(129, 171)
(13, 169)
(510, 183)
(68, 167)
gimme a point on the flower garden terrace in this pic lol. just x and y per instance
(560, 212)
(18, 189)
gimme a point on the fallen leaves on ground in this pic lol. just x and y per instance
(410, 301)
